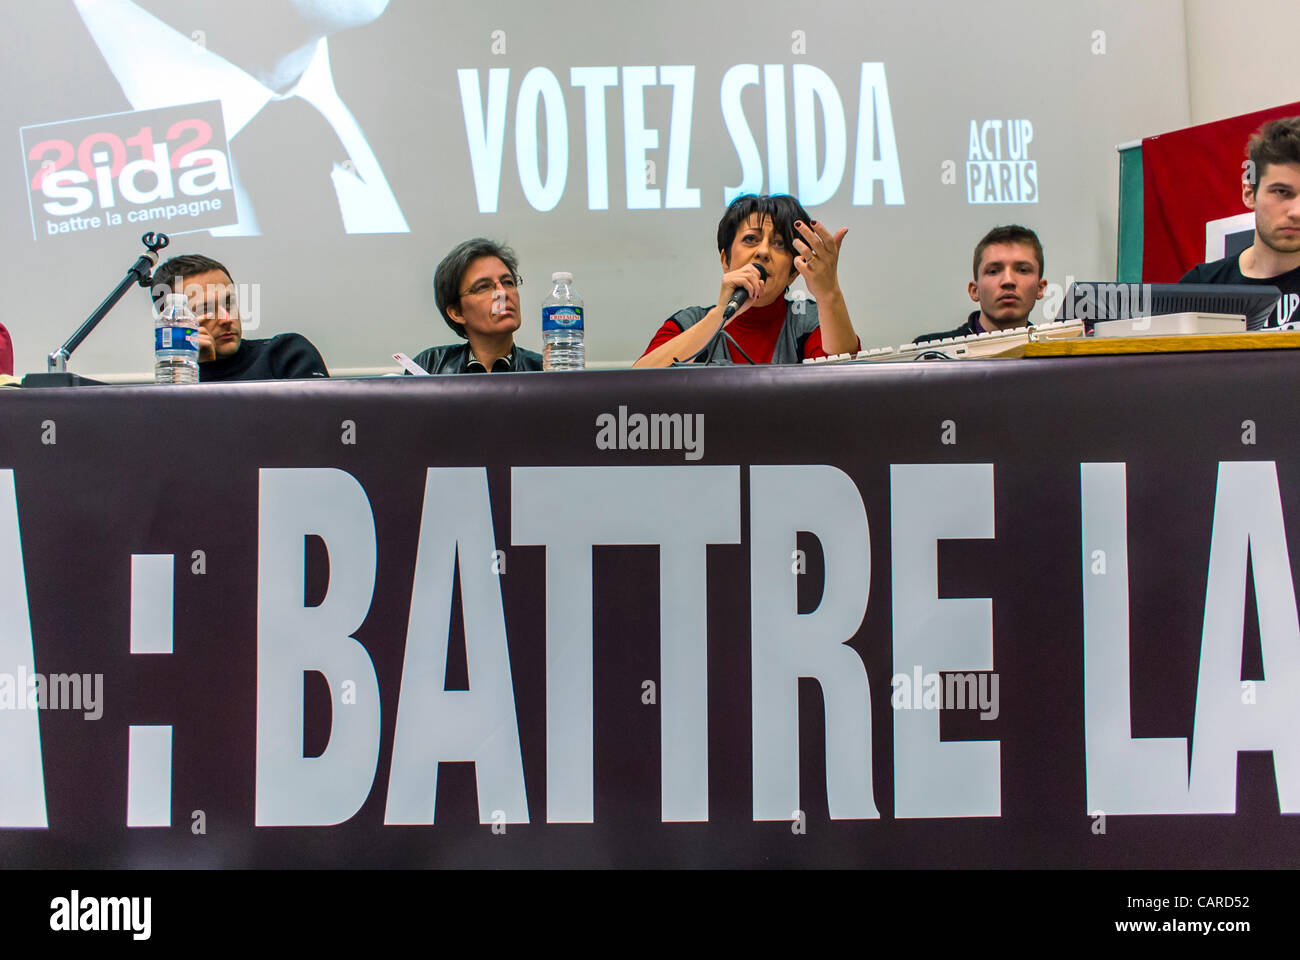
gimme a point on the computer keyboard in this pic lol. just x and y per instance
(997, 343)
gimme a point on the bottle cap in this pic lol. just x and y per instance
(562, 276)
(177, 300)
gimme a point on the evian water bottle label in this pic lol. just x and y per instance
(561, 317)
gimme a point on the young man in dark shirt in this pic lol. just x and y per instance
(1273, 192)
(476, 288)
(1008, 267)
(223, 352)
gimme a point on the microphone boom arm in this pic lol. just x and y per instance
(141, 273)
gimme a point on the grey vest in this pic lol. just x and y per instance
(796, 330)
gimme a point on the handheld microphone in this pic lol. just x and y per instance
(741, 294)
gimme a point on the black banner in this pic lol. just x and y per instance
(991, 613)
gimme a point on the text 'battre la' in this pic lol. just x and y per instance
(684, 509)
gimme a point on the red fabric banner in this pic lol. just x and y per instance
(1191, 177)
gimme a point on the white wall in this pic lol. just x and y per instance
(1241, 57)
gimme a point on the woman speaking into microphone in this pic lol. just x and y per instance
(764, 243)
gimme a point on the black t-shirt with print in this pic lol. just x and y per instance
(1228, 270)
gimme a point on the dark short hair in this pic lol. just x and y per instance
(451, 271)
(166, 277)
(1012, 233)
(1274, 142)
(782, 210)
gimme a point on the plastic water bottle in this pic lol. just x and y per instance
(176, 342)
(562, 329)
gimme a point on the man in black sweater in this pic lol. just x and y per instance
(1272, 189)
(223, 352)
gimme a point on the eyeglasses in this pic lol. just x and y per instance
(487, 286)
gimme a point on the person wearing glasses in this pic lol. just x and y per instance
(476, 288)
(224, 354)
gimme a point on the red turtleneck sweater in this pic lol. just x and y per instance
(755, 331)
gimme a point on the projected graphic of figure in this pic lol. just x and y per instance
(248, 54)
